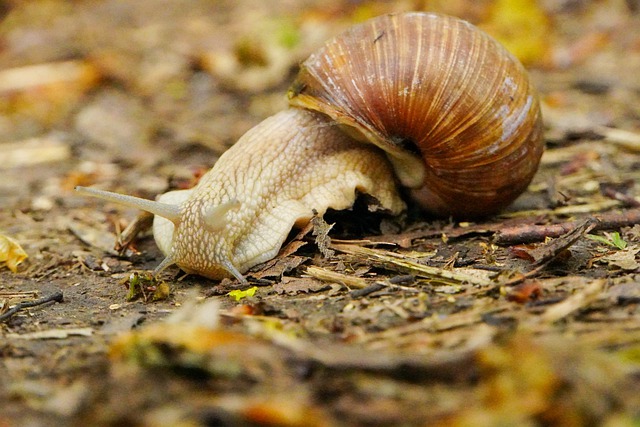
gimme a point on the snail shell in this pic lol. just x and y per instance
(435, 87)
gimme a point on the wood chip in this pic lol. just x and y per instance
(54, 334)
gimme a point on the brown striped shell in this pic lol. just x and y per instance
(435, 87)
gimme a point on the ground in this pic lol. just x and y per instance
(529, 317)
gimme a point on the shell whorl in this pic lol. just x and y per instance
(439, 86)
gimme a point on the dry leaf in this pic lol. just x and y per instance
(578, 301)
(93, 236)
(277, 267)
(321, 230)
(524, 292)
(11, 253)
(296, 285)
(625, 259)
(45, 91)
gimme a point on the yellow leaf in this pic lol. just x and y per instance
(522, 27)
(11, 253)
(238, 294)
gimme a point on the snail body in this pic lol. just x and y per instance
(241, 211)
(444, 110)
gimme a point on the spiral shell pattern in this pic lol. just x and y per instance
(436, 87)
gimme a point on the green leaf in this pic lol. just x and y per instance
(610, 239)
(238, 294)
(599, 239)
(617, 240)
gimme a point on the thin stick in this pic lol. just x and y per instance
(56, 297)
(404, 263)
(393, 282)
(528, 233)
(21, 294)
(333, 276)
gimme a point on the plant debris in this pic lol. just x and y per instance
(399, 262)
(548, 251)
(144, 285)
(11, 253)
(321, 230)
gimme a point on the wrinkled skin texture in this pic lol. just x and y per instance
(269, 181)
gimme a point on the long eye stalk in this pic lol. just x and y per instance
(165, 210)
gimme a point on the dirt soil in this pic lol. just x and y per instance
(531, 317)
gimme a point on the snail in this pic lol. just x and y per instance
(420, 101)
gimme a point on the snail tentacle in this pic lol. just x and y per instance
(215, 216)
(168, 261)
(165, 210)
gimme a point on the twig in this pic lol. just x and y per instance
(143, 222)
(529, 233)
(33, 151)
(403, 263)
(544, 254)
(56, 297)
(621, 197)
(547, 252)
(377, 286)
(22, 294)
